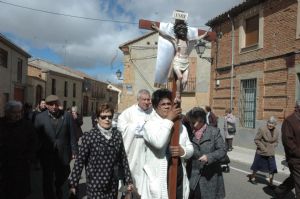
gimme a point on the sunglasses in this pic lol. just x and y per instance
(103, 117)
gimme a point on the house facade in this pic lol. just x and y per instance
(13, 72)
(256, 66)
(58, 81)
(95, 93)
(139, 66)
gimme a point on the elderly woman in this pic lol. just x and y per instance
(18, 144)
(206, 179)
(229, 128)
(266, 140)
(102, 153)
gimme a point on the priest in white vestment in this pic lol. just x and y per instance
(131, 124)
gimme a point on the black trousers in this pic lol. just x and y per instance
(293, 181)
(55, 175)
(229, 143)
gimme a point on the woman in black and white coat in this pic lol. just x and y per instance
(102, 153)
(206, 179)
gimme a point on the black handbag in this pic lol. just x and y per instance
(225, 160)
(231, 128)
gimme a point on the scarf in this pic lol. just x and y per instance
(199, 133)
(106, 132)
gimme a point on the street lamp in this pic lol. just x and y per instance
(119, 74)
(200, 48)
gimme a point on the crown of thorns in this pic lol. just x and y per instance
(180, 25)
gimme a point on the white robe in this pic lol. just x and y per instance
(157, 136)
(128, 121)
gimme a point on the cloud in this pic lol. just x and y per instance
(93, 43)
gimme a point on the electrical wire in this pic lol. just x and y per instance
(68, 15)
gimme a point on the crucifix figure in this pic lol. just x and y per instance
(182, 48)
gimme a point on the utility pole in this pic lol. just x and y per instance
(232, 62)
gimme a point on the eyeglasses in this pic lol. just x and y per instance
(103, 117)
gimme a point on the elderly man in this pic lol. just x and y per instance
(55, 129)
(291, 142)
(157, 135)
(131, 123)
(17, 149)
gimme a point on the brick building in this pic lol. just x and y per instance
(264, 51)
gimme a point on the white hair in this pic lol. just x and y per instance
(272, 120)
(74, 109)
(142, 91)
(12, 104)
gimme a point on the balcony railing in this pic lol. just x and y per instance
(190, 86)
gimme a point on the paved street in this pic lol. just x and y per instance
(237, 185)
(236, 182)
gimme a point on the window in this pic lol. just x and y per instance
(65, 105)
(74, 90)
(19, 70)
(298, 87)
(248, 103)
(38, 93)
(3, 58)
(6, 97)
(251, 31)
(53, 87)
(298, 22)
(66, 89)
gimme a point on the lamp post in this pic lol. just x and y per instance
(119, 74)
(200, 48)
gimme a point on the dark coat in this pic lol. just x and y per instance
(291, 138)
(77, 125)
(102, 158)
(209, 176)
(18, 143)
(62, 138)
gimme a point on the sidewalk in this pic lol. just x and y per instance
(244, 155)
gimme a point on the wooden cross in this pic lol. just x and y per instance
(172, 181)
(146, 24)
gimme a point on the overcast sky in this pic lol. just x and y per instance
(92, 45)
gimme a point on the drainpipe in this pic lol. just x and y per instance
(232, 61)
(113, 88)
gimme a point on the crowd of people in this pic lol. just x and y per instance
(134, 156)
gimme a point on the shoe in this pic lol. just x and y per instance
(279, 193)
(251, 179)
